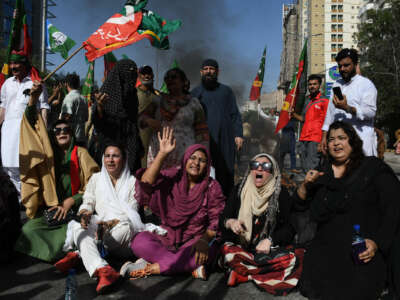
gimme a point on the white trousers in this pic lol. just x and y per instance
(117, 241)
(13, 173)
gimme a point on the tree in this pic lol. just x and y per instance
(379, 43)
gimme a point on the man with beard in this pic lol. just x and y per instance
(358, 106)
(224, 123)
(148, 99)
(14, 99)
(313, 116)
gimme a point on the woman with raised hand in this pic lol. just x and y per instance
(188, 203)
(350, 189)
(54, 174)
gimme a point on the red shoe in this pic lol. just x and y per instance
(68, 262)
(107, 276)
(234, 278)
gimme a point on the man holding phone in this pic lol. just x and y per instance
(353, 101)
(313, 117)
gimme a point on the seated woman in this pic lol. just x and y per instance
(180, 111)
(54, 174)
(350, 189)
(189, 204)
(256, 218)
(108, 202)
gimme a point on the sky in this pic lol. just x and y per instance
(231, 31)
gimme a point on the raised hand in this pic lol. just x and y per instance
(166, 140)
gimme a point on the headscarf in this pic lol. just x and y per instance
(183, 202)
(257, 201)
(120, 88)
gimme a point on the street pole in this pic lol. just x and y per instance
(44, 31)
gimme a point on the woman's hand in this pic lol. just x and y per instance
(201, 251)
(85, 218)
(237, 226)
(167, 140)
(101, 98)
(312, 176)
(63, 209)
(368, 254)
(264, 246)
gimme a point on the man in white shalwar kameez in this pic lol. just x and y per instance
(358, 107)
(109, 199)
(14, 97)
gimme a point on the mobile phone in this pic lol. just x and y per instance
(338, 92)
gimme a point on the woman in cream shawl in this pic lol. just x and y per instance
(256, 218)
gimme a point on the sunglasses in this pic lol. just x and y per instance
(266, 166)
(59, 130)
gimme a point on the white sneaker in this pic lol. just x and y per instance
(129, 266)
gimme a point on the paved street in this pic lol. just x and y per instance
(27, 278)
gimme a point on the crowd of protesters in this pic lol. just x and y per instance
(148, 177)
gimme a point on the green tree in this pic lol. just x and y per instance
(379, 43)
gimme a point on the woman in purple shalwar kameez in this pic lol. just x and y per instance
(189, 203)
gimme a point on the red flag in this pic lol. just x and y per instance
(258, 81)
(290, 100)
(119, 31)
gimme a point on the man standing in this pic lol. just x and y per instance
(224, 122)
(313, 116)
(14, 99)
(75, 109)
(148, 100)
(358, 106)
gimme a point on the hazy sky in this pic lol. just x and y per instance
(233, 32)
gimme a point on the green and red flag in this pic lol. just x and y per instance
(255, 91)
(109, 62)
(20, 43)
(164, 88)
(290, 100)
(131, 25)
(89, 82)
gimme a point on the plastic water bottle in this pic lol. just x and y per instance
(71, 286)
(358, 244)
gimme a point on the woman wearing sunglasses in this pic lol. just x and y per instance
(54, 173)
(256, 218)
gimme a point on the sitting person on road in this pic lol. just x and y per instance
(54, 174)
(189, 203)
(109, 205)
(350, 189)
(255, 221)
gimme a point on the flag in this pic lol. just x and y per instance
(255, 91)
(164, 88)
(131, 25)
(290, 100)
(109, 62)
(58, 41)
(89, 82)
(19, 43)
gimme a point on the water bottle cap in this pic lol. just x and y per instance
(356, 227)
(72, 271)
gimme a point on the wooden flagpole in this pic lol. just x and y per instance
(65, 61)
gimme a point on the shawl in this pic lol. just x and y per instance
(121, 111)
(38, 170)
(169, 106)
(182, 203)
(257, 201)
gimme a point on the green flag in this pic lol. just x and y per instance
(164, 88)
(89, 82)
(58, 41)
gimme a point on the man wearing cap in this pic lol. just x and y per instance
(358, 106)
(224, 122)
(148, 102)
(14, 98)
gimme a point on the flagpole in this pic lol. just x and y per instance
(65, 61)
